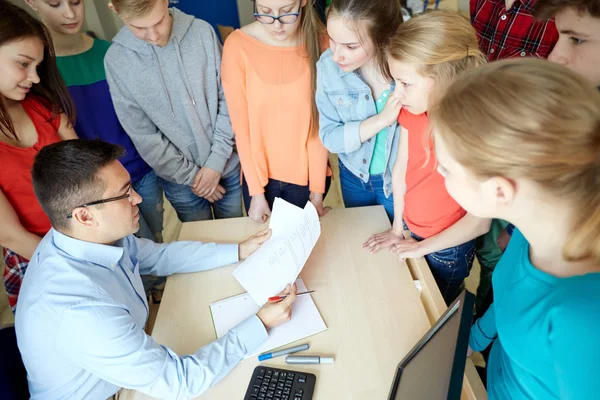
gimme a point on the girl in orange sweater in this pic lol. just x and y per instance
(268, 73)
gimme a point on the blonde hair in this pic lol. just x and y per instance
(441, 43)
(534, 120)
(128, 9)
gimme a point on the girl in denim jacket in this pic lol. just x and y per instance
(357, 110)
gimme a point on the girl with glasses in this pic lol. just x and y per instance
(269, 74)
(35, 110)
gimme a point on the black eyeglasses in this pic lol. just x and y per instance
(96, 202)
(268, 19)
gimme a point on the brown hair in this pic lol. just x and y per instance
(311, 32)
(535, 120)
(383, 17)
(15, 25)
(133, 8)
(546, 9)
(442, 43)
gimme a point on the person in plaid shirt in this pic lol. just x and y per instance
(507, 29)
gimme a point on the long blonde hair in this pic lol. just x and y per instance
(441, 43)
(534, 120)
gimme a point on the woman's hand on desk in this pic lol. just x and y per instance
(383, 240)
(317, 200)
(252, 244)
(273, 314)
(408, 248)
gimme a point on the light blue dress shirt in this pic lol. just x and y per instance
(344, 100)
(82, 311)
(544, 331)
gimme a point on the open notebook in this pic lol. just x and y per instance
(306, 319)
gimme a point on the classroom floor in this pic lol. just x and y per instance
(172, 226)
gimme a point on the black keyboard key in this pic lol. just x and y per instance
(283, 375)
(301, 380)
(261, 396)
(255, 391)
(280, 385)
(261, 373)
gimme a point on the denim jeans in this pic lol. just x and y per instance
(190, 207)
(294, 194)
(357, 193)
(151, 207)
(450, 267)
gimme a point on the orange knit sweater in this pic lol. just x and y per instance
(269, 100)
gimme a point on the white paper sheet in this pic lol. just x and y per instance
(280, 259)
(306, 319)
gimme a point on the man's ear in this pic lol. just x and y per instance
(83, 216)
(110, 5)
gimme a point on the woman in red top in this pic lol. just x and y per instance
(441, 230)
(35, 110)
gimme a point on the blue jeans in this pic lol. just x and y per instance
(450, 267)
(356, 193)
(151, 207)
(190, 207)
(294, 194)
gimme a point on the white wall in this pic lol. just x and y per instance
(246, 11)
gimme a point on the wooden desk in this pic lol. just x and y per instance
(370, 304)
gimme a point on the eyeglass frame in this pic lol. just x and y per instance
(296, 14)
(103, 201)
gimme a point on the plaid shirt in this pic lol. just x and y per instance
(14, 271)
(513, 33)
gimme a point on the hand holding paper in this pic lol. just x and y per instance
(279, 260)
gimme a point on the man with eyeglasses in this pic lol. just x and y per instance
(82, 308)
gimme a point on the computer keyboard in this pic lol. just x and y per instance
(280, 384)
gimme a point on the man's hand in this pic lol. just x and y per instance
(252, 244)
(206, 182)
(408, 248)
(382, 240)
(217, 195)
(259, 208)
(317, 200)
(273, 314)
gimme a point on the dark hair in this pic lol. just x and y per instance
(546, 9)
(384, 17)
(15, 25)
(65, 176)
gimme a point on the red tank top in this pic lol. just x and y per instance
(15, 174)
(428, 208)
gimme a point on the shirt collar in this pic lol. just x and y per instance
(100, 254)
(526, 4)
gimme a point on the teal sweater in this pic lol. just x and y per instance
(544, 331)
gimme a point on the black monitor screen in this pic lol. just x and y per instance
(434, 369)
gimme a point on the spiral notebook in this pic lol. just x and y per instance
(306, 319)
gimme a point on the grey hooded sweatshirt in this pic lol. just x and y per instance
(170, 100)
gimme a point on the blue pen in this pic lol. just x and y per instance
(295, 349)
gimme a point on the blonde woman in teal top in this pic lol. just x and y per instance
(520, 140)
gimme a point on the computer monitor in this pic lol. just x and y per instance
(434, 368)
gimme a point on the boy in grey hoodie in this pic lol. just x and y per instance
(163, 70)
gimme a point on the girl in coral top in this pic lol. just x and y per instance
(441, 230)
(268, 73)
(35, 110)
